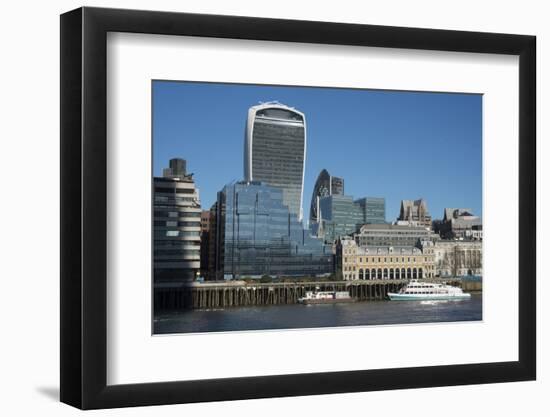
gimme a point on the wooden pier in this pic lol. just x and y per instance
(223, 294)
(240, 293)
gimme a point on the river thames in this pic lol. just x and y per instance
(298, 316)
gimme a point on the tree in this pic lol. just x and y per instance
(266, 279)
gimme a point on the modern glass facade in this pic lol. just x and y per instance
(260, 236)
(274, 151)
(340, 216)
(374, 209)
(176, 227)
(325, 185)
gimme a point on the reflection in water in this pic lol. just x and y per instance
(325, 315)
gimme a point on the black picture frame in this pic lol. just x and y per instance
(84, 207)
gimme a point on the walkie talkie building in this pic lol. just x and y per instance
(275, 150)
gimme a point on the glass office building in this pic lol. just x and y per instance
(374, 209)
(258, 235)
(340, 216)
(274, 151)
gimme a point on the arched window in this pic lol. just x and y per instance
(403, 274)
(361, 275)
(385, 273)
(373, 273)
(414, 273)
(420, 273)
(379, 276)
(391, 273)
(367, 273)
(409, 274)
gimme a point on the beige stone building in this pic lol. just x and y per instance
(415, 213)
(458, 258)
(385, 262)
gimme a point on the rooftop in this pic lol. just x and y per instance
(385, 226)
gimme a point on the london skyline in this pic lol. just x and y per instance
(396, 145)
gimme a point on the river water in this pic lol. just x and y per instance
(296, 316)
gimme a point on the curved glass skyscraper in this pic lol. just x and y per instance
(325, 185)
(275, 150)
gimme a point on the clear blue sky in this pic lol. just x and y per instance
(392, 144)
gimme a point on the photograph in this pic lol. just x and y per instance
(286, 209)
(293, 207)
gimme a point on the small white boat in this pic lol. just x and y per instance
(326, 297)
(417, 290)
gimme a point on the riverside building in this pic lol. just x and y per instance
(258, 235)
(454, 258)
(384, 262)
(176, 226)
(275, 149)
(393, 235)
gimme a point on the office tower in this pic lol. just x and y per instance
(325, 185)
(374, 209)
(339, 215)
(275, 149)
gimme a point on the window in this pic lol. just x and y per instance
(164, 190)
(172, 233)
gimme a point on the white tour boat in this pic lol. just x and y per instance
(417, 290)
(326, 297)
